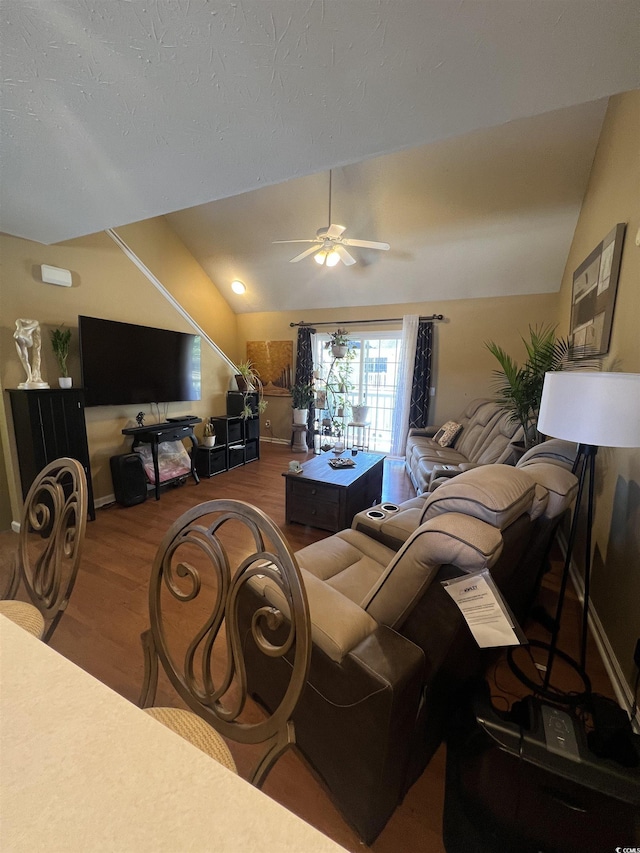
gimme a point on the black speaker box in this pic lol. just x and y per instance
(129, 479)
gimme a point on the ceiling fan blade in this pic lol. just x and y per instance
(304, 254)
(315, 240)
(345, 257)
(366, 244)
(334, 231)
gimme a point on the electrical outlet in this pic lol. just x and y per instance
(267, 424)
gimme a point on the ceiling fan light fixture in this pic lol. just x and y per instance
(329, 246)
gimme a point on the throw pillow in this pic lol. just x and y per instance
(450, 432)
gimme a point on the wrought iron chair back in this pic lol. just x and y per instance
(52, 529)
(208, 672)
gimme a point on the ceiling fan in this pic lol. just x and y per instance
(330, 246)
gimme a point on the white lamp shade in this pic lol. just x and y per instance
(601, 409)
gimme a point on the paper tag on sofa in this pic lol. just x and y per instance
(485, 610)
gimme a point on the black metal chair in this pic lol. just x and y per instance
(194, 631)
(52, 528)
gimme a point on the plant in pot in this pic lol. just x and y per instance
(249, 383)
(60, 340)
(360, 413)
(519, 388)
(338, 343)
(209, 435)
(302, 397)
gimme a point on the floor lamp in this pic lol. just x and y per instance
(593, 410)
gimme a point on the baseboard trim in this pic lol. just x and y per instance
(623, 691)
(273, 440)
(107, 499)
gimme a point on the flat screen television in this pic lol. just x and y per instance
(124, 363)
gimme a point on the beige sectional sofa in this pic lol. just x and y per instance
(484, 438)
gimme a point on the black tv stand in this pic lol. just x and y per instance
(174, 430)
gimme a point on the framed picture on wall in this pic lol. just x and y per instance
(595, 284)
(273, 361)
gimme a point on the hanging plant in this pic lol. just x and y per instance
(249, 382)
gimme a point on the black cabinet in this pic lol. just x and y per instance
(241, 437)
(237, 400)
(211, 460)
(48, 424)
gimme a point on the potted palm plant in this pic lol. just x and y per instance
(60, 340)
(302, 396)
(519, 388)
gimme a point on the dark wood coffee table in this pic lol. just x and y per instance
(328, 498)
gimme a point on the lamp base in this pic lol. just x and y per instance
(547, 691)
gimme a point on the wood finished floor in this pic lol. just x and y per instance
(108, 611)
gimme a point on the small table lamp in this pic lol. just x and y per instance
(594, 410)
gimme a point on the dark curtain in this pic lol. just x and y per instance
(304, 371)
(420, 397)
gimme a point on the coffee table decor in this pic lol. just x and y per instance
(342, 463)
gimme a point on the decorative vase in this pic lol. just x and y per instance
(243, 385)
(300, 416)
(65, 381)
(360, 414)
(209, 440)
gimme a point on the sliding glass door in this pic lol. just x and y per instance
(367, 376)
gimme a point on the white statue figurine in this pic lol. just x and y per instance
(27, 334)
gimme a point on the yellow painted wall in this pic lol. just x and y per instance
(613, 195)
(107, 284)
(462, 364)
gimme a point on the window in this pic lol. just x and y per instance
(368, 376)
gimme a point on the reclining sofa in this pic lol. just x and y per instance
(483, 437)
(391, 653)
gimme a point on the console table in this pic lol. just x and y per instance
(174, 430)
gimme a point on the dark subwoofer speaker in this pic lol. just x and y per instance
(129, 479)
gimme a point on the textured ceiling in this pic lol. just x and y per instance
(114, 111)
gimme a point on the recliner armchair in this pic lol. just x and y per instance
(391, 652)
(549, 464)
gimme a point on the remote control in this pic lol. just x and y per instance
(559, 733)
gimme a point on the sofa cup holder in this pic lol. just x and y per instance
(376, 514)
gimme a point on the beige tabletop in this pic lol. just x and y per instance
(82, 769)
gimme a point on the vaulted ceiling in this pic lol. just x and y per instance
(462, 133)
